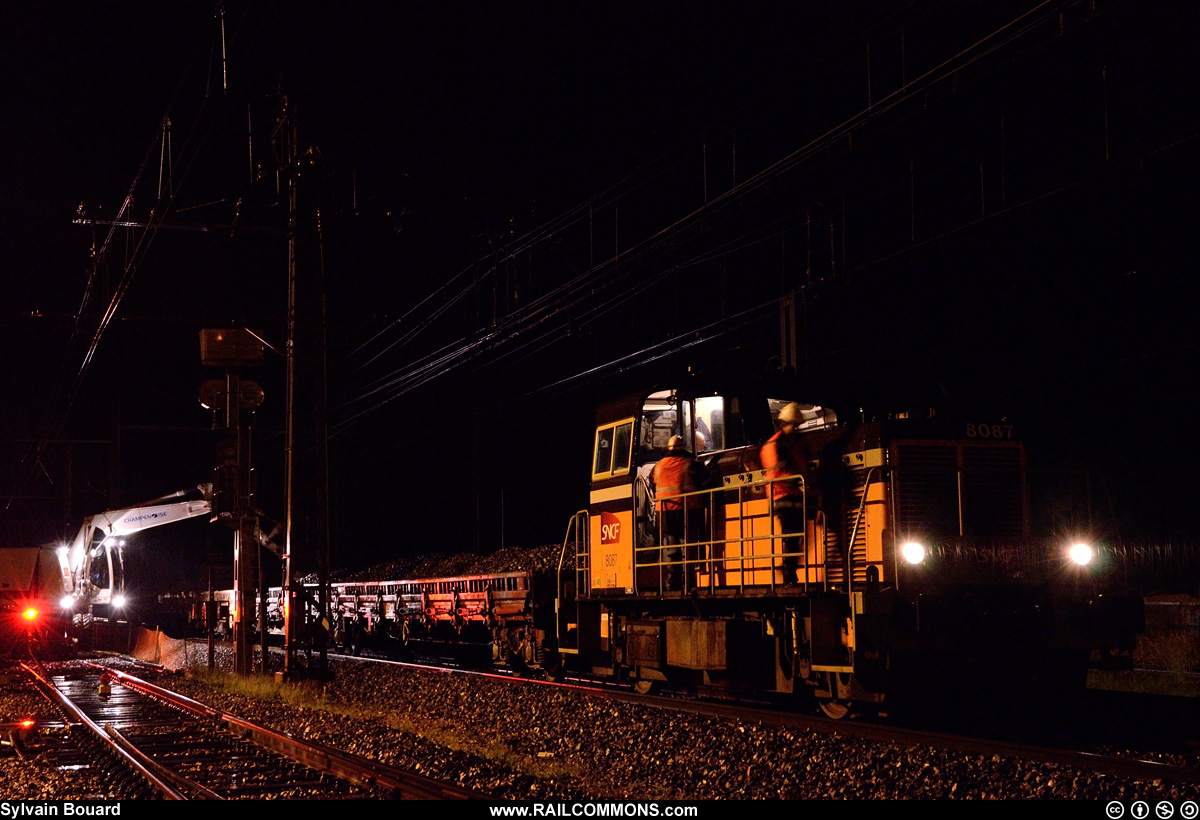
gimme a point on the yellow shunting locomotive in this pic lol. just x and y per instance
(915, 554)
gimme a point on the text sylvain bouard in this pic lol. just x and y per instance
(9, 808)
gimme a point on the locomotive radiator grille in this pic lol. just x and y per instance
(955, 488)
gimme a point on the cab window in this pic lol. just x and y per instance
(710, 424)
(660, 421)
(98, 572)
(613, 446)
(812, 416)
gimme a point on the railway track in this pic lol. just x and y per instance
(1117, 765)
(965, 738)
(563, 719)
(157, 743)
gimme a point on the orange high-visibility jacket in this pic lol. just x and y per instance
(791, 461)
(672, 477)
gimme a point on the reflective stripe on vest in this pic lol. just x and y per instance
(672, 478)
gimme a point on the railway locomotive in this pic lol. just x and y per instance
(916, 559)
(915, 562)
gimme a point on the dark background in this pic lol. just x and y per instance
(524, 208)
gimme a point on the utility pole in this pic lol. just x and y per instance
(286, 128)
(234, 348)
(306, 535)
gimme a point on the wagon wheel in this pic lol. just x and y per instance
(501, 650)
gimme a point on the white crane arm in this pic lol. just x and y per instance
(89, 542)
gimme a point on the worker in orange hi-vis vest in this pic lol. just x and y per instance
(786, 455)
(681, 518)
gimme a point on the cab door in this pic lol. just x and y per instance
(611, 509)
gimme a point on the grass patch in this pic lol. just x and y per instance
(306, 694)
(1166, 662)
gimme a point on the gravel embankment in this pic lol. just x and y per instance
(528, 742)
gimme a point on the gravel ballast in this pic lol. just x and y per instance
(528, 742)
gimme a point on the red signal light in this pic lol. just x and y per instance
(30, 614)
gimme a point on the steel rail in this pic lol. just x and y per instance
(184, 785)
(400, 784)
(1130, 767)
(109, 744)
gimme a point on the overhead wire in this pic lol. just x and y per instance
(63, 395)
(622, 265)
(519, 328)
(488, 264)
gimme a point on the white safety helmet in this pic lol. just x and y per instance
(676, 443)
(790, 413)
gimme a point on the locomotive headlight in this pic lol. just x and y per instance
(913, 552)
(1081, 554)
(118, 601)
(66, 602)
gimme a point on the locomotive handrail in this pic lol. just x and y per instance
(652, 501)
(803, 534)
(684, 561)
(581, 515)
(711, 493)
(862, 506)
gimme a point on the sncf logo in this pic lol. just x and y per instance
(610, 528)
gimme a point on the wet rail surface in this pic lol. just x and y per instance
(160, 744)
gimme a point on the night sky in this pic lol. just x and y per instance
(990, 206)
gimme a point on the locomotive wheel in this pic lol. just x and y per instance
(553, 666)
(644, 687)
(514, 653)
(834, 709)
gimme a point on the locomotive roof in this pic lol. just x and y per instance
(918, 409)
